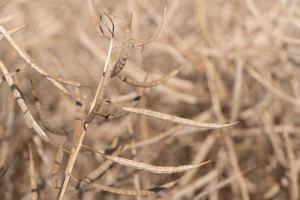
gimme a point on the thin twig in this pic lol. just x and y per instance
(103, 83)
(32, 64)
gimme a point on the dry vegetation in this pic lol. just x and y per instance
(138, 99)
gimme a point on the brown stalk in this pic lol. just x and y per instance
(78, 136)
(80, 125)
(100, 92)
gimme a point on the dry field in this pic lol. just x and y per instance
(138, 99)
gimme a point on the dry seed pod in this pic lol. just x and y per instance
(119, 65)
(107, 22)
(121, 62)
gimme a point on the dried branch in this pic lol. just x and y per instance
(103, 83)
(32, 64)
(18, 96)
(80, 127)
(78, 136)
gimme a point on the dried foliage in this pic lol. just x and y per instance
(94, 105)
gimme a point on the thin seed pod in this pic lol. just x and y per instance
(32, 64)
(113, 190)
(110, 26)
(153, 83)
(10, 74)
(32, 173)
(144, 166)
(70, 82)
(152, 168)
(172, 118)
(120, 64)
(56, 166)
(17, 95)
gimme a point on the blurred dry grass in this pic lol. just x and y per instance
(240, 62)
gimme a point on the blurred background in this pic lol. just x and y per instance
(240, 62)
